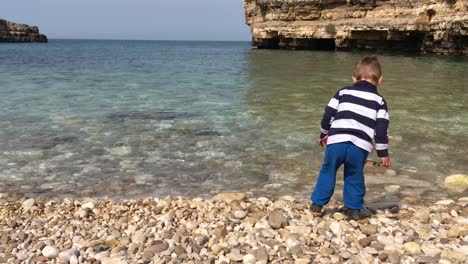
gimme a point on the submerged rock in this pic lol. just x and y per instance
(230, 197)
(457, 182)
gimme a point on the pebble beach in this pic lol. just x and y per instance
(228, 228)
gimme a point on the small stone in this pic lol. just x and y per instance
(338, 216)
(201, 240)
(67, 254)
(430, 249)
(457, 182)
(423, 215)
(40, 245)
(428, 259)
(83, 213)
(74, 260)
(216, 248)
(390, 172)
(114, 260)
(28, 204)
(364, 242)
(235, 255)
(179, 250)
(88, 205)
(139, 237)
(191, 225)
(346, 254)
(412, 248)
(383, 256)
(222, 260)
(453, 232)
(50, 252)
(21, 256)
(303, 261)
(287, 198)
(393, 258)
(240, 214)
(392, 188)
(445, 202)
(229, 197)
(149, 252)
(261, 254)
(249, 259)
(453, 255)
(277, 219)
(220, 232)
(336, 228)
(368, 229)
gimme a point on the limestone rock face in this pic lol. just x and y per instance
(13, 32)
(432, 26)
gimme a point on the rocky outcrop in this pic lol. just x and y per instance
(13, 32)
(433, 26)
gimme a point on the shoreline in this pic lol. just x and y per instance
(228, 228)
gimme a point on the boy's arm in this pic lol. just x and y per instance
(329, 115)
(381, 132)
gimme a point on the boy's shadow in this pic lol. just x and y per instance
(389, 202)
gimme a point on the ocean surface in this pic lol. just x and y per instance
(133, 118)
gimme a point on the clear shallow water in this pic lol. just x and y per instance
(131, 118)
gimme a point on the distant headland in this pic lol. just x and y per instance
(14, 32)
(421, 25)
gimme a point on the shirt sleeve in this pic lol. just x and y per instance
(381, 130)
(329, 115)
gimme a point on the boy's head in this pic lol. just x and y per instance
(368, 69)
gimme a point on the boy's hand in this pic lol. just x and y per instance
(385, 161)
(320, 142)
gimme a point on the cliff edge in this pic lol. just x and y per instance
(13, 32)
(432, 26)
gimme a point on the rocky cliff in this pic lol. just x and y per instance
(13, 32)
(433, 26)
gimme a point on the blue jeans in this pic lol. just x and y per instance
(354, 159)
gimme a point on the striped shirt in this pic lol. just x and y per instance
(357, 114)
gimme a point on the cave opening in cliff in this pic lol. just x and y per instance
(307, 44)
(325, 44)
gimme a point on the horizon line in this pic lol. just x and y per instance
(182, 40)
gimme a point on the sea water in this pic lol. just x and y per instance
(134, 118)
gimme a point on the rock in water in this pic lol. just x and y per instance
(277, 219)
(457, 182)
(229, 197)
(50, 252)
(13, 32)
(392, 188)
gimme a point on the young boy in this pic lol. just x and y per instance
(353, 117)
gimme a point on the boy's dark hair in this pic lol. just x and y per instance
(368, 68)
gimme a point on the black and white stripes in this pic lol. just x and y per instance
(357, 114)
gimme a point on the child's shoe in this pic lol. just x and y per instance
(356, 214)
(316, 209)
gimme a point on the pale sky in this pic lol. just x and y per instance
(132, 19)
